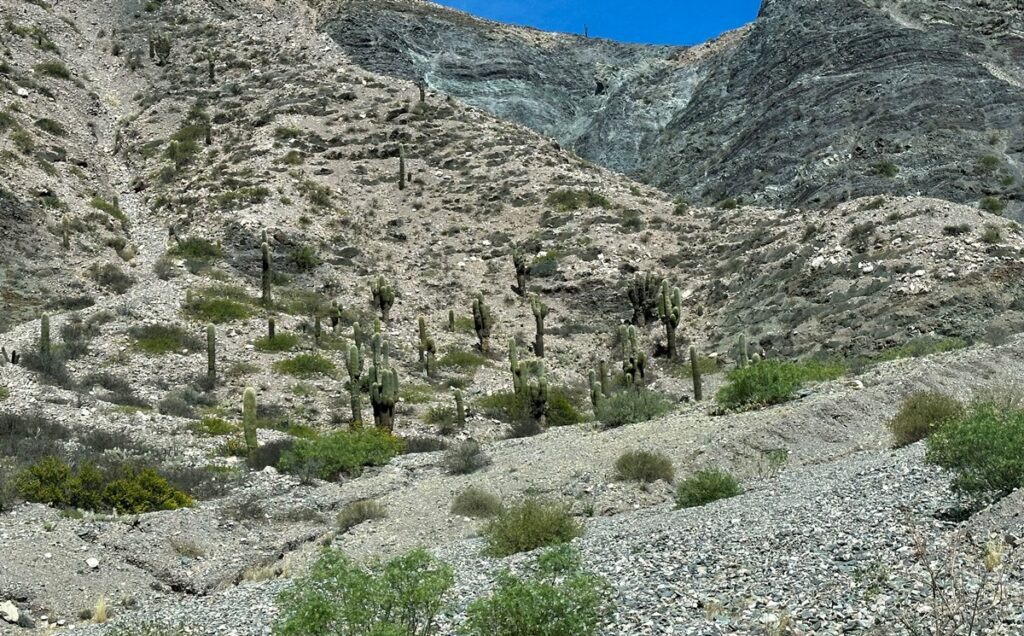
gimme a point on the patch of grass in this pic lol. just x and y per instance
(477, 503)
(884, 169)
(706, 486)
(772, 382)
(214, 426)
(570, 200)
(922, 346)
(423, 444)
(400, 597)
(359, 512)
(465, 458)
(161, 339)
(4, 393)
(412, 393)
(644, 466)
(563, 407)
(464, 360)
(281, 342)
(305, 365)
(219, 304)
(342, 452)
(196, 248)
(557, 598)
(51, 126)
(982, 449)
(631, 406)
(706, 365)
(530, 524)
(921, 414)
(53, 68)
(992, 204)
(992, 235)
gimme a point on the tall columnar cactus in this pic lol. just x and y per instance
(44, 335)
(606, 388)
(421, 85)
(536, 392)
(65, 231)
(211, 71)
(698, 385)
(377, 348)
(383, 397)
(267, 275)
(643, 296)
(514, 367)
(595, 389)
(522, 272)
(427, 348)
(634, 363)
(670, 311)
(540, 311)
(401, 167)
(354, 365)
(741, 354)
(249, 420)
(451, 320)
(316, 331)
(357, 334)
(460, 407)
(335, 315)
(211, 355)
(383, 296)
(482, 323)
(271, 328)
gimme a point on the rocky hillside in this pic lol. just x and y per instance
(813, 104)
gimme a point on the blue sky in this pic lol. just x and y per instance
(644, 21)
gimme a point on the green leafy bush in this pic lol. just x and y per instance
(281, 342)
(706, 486)
(993, 205)
(569, 200)
(530, 524)
(218, 304)
(343, 452)
(401, 597)
(772, 382)
(983, 449)
(465, 360)
(476, 502)
(644, 466)
(558, 598)
(196, 248)
(563, 407)
(159, 339)
(631, 406)
(305, 365)
(922, 346)
(921, 414)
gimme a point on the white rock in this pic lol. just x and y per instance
(9, 612)
(92, 562)
(22, 92)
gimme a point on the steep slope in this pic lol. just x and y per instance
(815, 103)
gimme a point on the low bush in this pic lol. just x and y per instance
(922, 413)
(357, 512)
(992, 204)
(706, 486)
(219, 304)
(183, 401)
(305, 365)
(400, 597)
(982, 449)
(464, 360)
(465, 458)
(196, 248)
(51, 367)
(570, 200)
(423, 444)
(269, 454)
(111, 277)
(476, 502)
(343, 452)
(530, 524)
(160, 339)
(631, 406)
(922, 346)
(644, 466)
(563, 407)
(281, 342)
(557, 598)
(772, 382)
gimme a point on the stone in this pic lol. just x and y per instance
(92, 562)
(9, 612)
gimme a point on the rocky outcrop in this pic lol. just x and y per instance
(817, 102)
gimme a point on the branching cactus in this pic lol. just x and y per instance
(401, 167)
(482, 323)
(540, 311)
(670, 311)
(383, 297)
(249, 420)
(460, 408)
(44, 335)
(522, 272)
(643, 296)
(634, 363)
(698, 385)
(536, 391)
(267, 275)
(211, 356)
(383, 397)
(514, 366)
(354, 365)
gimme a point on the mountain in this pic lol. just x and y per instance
(815, 103)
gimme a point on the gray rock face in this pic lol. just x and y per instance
(818, 101)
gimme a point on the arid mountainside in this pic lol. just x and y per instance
(815, 103)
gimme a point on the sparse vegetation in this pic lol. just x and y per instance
(162, 338)
(530, 524)
(992, 204)
(922, 346)
(772, 382)
(706, 486)
(358, 512)
(465, 458)
(921, 414)
(631, 406)
(570, 200)
(305, 365)
(342, 452)
(644, 466)
(476, 502)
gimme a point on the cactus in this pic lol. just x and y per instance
(401, 167)
(698, 385)
(754, 359)
(65, 231)
(249, 420)
(603, 373)
(482, 323)
(595, 389)
(670, 311)
(271, 328)
(354, 365)
(522, 272)
(383, 397)
(357, 335)
(536, 392)
(460, 408)
(643, 296)
(383, 297)
(335, 315)
(423, 91)
(208, 129)
(451, 320)
(211, 355)
(427, 348)
(316, 331)
(540, 311)
(267, 275)
(376, 346)
(514, 367)
(634, 363)
(161, 47)
(210, 68)
(741, 355)
(44, 335)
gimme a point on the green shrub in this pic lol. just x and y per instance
(706, 486)
(196, 248)
(305, 365)
(413, 444)
(465, 458)
(129, 490)
(465, 360)
(921, 414)
(992, 204)
(983, 449)
(644, 466)
(922, 346)
(476, 502)
(343, 452)
(159, 339)
(51, 126)
(357, 512)
(219, 304)
(772, 382)
(569, 200)
(305, 258)
(281, 342)
(631, 406)
(558, 598)
(401, 597)
(528, 525)
(4, 393)
(53, 68)
(214, 426)
(563, 407)
(885, 169)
